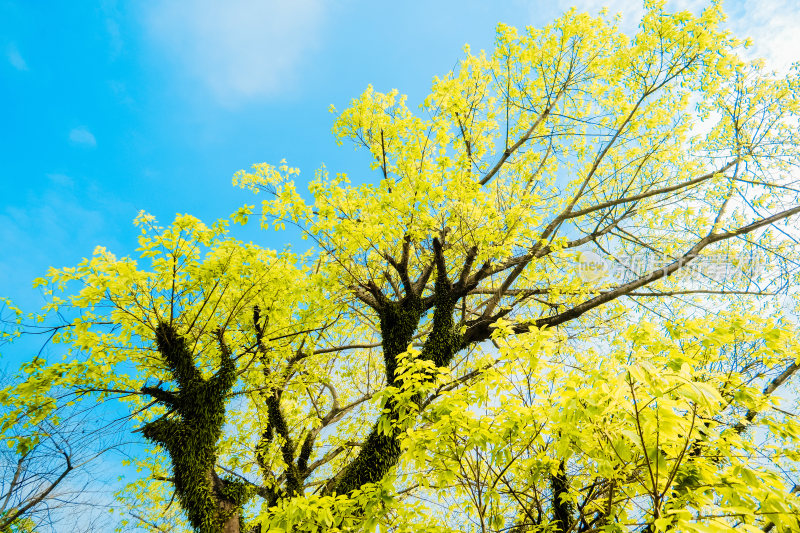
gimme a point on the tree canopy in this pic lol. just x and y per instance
(438, 360)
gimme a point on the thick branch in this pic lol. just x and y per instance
(525, 136)
(647, 194)
(481, 329)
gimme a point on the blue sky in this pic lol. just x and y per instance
(108, 108)
(111, 108)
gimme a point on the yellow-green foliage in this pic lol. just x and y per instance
(436, 362)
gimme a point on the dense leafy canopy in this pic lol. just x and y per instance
(438, 361)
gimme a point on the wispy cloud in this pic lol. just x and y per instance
(55, 224)
(240, 49)
(15, 58)
(120, 90)
(112, 16)
(774, 26)
(82, 136)
(61, 179)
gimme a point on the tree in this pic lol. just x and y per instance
(435, 362)
(45, 470)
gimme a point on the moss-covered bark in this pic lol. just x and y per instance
(562, 510)
(197, 410)
(399, 321)
(190, 434)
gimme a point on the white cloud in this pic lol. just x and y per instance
(14, 57)
(82, 136)
(774, 26)
(239, 49)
